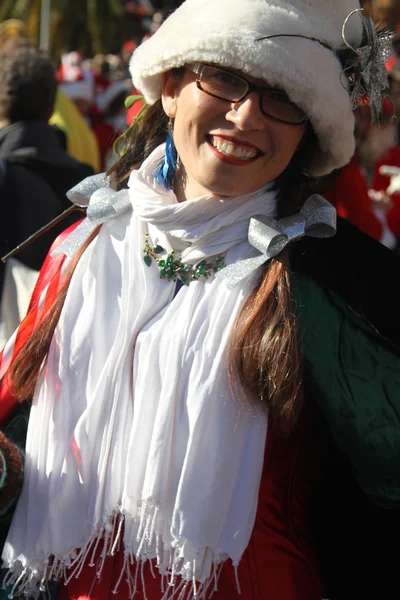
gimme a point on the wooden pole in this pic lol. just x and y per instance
(45, 25)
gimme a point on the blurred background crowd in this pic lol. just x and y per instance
(66, 97)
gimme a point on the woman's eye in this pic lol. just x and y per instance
(225, 79)
(278, 96)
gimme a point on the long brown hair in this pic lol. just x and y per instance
(265, 358)
(26, 367)
(265, 353)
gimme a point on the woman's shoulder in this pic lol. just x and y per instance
(358, 269)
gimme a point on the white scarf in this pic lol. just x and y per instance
(134, 422)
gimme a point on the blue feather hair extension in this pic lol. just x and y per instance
(165, 173)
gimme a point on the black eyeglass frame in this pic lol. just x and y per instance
(197, 69)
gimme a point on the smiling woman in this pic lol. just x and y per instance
(207, 354)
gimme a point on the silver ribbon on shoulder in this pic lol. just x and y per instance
(317, 218)
(103, 204)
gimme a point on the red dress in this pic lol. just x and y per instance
(278, 563)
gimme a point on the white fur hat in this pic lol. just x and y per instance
(226, 33)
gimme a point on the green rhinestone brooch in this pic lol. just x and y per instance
(173, 269)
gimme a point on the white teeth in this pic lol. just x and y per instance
(231, 150)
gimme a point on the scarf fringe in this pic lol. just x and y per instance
(26, 582)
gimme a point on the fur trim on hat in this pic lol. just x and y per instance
(225, 32)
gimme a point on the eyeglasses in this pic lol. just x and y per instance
(225, 85)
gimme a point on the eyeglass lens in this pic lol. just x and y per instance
(231, 87)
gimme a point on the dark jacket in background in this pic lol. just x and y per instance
(354, 534)
(37, 176)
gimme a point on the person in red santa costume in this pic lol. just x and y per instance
(77, 82)
(354, 189)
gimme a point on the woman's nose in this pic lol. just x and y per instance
(246, 114)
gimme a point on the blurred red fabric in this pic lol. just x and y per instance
(349, 195)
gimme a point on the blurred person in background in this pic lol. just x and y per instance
(380, 148)
(111, 120)
(37, 171)
(358, 191)
(75, 135)
(100, 68)
(77, 83)
(379, 145)
(348, 188)
(390, 175)
(127, 50)
(74, 108)
(114, 67)
(153, 25)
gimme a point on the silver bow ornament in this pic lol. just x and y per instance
(103, 204)
(317, 218)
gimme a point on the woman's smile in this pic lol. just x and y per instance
(233, 151)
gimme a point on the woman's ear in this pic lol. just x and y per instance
(170, 93)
